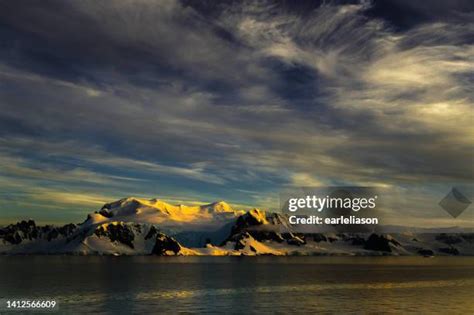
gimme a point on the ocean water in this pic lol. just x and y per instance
(242, 285)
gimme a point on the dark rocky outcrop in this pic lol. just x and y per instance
(295, 241)
(245, 223)
(449, 238)
(267, 236)
(425, 252)
(240, 240)
(106, 213)
(449, 250)
(151, 233)
(165, 245)
(28, 230)
(318, 237)
(16, 233)
(263, 227)
(117, 232)
(277, 219)
(357, 241)
(67, 229)
(380, 243)
(13, 238)
(252, 218)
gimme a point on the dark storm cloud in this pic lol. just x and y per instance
(405, 14)
(150, 43)
(212, 98)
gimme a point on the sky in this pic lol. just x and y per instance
(197, 101)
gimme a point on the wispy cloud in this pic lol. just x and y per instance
(215, 99)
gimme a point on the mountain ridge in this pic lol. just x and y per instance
(157, 211)
(135, 226)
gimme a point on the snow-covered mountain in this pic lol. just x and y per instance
(133, 226)
(155, 211)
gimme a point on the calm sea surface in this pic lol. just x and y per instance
(242, 285)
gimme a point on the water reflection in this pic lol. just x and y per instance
(306, 284)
